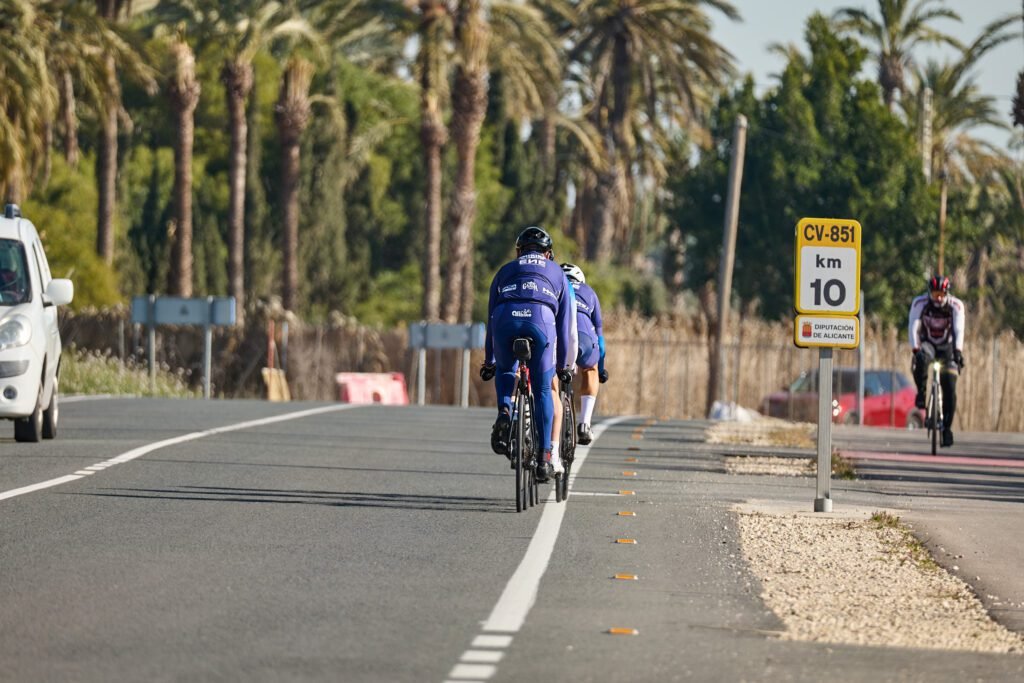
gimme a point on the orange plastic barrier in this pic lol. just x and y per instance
(372, 387)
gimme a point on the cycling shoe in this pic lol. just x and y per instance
(500, 433)
(583, 434)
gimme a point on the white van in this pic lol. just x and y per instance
(29, 338)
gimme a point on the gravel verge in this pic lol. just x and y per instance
(854, 576)
(853, 579)
(783, 467)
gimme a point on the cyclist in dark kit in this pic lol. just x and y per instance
(937, 333)
(530, 297)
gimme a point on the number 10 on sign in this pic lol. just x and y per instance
(828, 266)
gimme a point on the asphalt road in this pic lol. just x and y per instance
(165, 540)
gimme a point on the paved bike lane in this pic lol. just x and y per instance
(693, 610)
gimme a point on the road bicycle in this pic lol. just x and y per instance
(525, 439)
(934, 418)
(567, 443)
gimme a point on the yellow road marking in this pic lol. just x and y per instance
(620, 631)
(626, 577)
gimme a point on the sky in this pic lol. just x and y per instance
(782, 21)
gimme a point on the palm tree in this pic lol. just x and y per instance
(899, 28)
(292, 116)
(106, 154)
(434, 29)
(524, 53)
(27, 99)
(240, 30)
(959, 107)
(183, 91)
(78, 42)
(649, 59)
(469, 104)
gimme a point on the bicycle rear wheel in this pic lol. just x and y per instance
(567, 446)
(519, 453)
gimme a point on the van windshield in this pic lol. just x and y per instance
(14, 281)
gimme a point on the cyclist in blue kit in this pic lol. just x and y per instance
(530, 297)
(590, 359)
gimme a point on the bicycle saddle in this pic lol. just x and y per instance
(522, 348)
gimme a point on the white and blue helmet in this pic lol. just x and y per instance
(573, 272)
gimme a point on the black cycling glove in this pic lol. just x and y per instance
(487, 372)
(602, 375)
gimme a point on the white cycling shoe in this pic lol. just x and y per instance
(555, 461)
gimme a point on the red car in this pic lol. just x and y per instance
(888, 399)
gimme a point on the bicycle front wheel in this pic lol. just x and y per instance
(934, 421)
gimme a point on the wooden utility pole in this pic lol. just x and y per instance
(926, 134)
(732, 211)
(944, 179)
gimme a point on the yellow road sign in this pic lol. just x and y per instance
(828, 266)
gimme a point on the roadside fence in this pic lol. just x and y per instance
(657, 367)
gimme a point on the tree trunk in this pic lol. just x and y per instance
(238, 81)
(183, 92)
(292, 115)
(106, 154)
(707, 297)
(69, 118)
(469, 104)
(612, 194)
(433, 136)
(106, 167)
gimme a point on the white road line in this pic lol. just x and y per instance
(149, 448)
(482, 656)
(77, 398)
(485, 640)
(477, 672)
(588, 493)
(520, 593)
(41, 485)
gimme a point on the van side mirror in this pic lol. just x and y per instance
(59, 292)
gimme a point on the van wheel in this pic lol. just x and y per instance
(50, 416)
(914, 421)
(30, 428)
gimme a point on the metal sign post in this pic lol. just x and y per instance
(207, 311)
(828, 300)
(465, 336)
(823, 494)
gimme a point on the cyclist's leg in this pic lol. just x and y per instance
(556, 413)
(947, 378)
(919, 369)
(504, 381)
(587, 360)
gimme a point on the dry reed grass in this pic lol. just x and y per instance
(658, 366)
